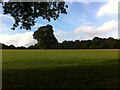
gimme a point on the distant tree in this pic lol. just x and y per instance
(96, 43)
(118, 44)
(65, 45)
(22, 47)
(111, 42)
(31, 47)
(25, 13)
(59, 45)
(5, 46)
(47, 41)
(12, 47)
(77, 44)
(0, 45)
(88, 44)
(71, 44)
(45, 37)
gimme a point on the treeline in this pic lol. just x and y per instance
(95, 43)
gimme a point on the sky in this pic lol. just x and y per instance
(85, 20)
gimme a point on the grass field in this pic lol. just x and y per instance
(60, 69)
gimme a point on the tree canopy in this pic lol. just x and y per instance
(25, 13)
(95, 43)
(45, 37)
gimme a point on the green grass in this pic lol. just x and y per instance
(60, 69)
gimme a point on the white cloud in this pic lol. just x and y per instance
(109, 28)
(110, 7)
(60, 35)
(83, 29)
(24, 39)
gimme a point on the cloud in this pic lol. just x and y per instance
(60, 35)
(103, 30)
(82, 32)
(110, 7)
(83, 29)
(24, 39)
(107, 27)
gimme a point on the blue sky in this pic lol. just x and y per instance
(84, 20)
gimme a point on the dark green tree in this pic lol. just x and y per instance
(12, 47)
(77, 44)
(25, 13)
(45, 37)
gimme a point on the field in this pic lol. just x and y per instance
(60, 69)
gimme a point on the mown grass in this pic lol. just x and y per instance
(60, 69)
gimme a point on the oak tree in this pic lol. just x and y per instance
(25, 13)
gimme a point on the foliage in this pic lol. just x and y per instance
(25, 13)
(95, 43)
(45, 37)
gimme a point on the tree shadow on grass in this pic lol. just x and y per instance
(83, 76)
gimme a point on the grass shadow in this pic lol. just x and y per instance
(83, 76)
